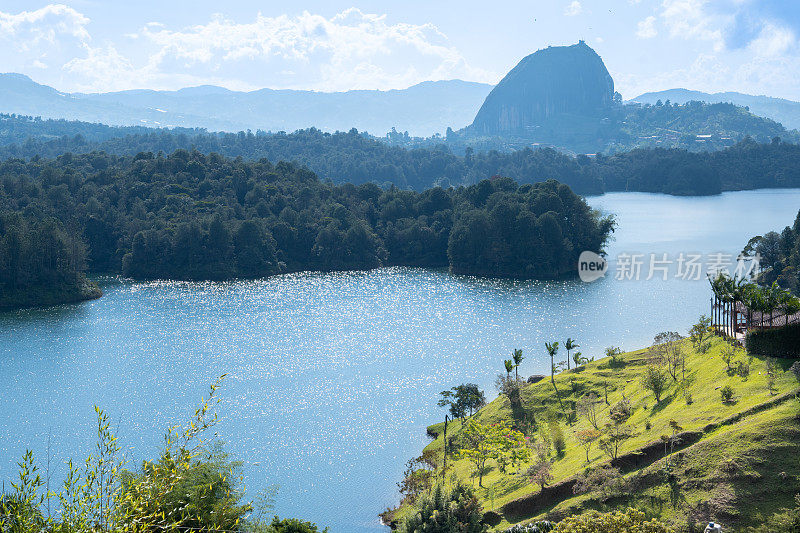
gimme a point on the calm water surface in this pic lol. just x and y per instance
(334, 377)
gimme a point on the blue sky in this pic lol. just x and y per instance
(750, 46)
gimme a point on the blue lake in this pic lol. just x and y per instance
(332, 378)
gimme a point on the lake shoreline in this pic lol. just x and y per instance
(88, 290)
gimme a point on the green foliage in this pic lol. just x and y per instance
(194, 216)
(292, 525)
(655, 379)
(481, 442)
(743, 370)
(557, 437)
(446, 510)
(726, 393)
(782, 341)
(462, 400)
(540, 472)
(542, 526)
(783, 520)
(700, 332)
(628, 521)
(614, 353)
(605, 480)
(193, 485)
(418, 477)
(41, 263)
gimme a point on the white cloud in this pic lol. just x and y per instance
(30, 30)
(573, 9)
(773, 41)
(351, 50)
(689, 19)
(646, 29)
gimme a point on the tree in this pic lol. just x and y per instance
(444, 510)
(570, 345)
(541, 473)
(557, 437)
(655, 380)
(614, 353)
(617, 431)
(700, 331)
(728, 354)
(772, 369)
(462, 399)
(509, 365)
(518, 357)
(482, 442)
(579, 360)
(587, 407)
(417, 477)
(795, 368)
(587, 438)
(552, 350)
(666, 350)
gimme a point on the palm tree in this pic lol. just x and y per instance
(517, 360)
(789, 305)
(552, 350)
(509, 367)
(739, 288)
(722, 286)
(772, 298)
(570, 345)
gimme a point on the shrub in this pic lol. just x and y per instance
(542, 526)
(726, 393)
(446, 510)
(743, 370)
(293, 525)
(778, 342)
(606, 480)
(772, 373)
(629, 521)
(557, 438)
(614, 353)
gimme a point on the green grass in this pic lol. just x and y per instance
(756, 445)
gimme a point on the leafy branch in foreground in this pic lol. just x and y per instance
(193, 485)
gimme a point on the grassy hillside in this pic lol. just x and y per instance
(733, 462)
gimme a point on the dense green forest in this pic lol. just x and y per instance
(41, 262)
(195, 216)
(357, 158)
(780, 256)
(693, 126)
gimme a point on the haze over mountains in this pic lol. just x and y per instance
(560, 96)
(422, 110)
(787, 112)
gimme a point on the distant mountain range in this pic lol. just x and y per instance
(787, 112)
(423, 109)
(560, 96)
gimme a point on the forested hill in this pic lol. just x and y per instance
(192, 216)
(352, 157)
(343, 157)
